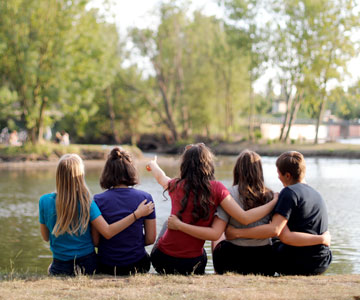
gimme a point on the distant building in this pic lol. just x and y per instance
(278, 106)
(329, 131)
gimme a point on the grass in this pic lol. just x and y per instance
(151, 287)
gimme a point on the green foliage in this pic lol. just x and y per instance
(200, 76)
(64, 66)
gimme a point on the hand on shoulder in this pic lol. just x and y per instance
(144, 209)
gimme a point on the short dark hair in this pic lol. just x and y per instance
(118, 169)
(292, 162)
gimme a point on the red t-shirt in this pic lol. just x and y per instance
(179, 244)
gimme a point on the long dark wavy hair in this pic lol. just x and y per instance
(248, 175)
(196, 172)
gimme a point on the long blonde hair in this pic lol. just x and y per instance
(72, 195)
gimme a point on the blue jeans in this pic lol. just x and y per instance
(79, 265)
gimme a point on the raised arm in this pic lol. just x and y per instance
(158, 173)
(108, 231)
(249, 216)
(212, 233)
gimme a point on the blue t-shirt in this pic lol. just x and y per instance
(128, 246)
(66, 247)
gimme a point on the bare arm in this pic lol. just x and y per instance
(150, 231)
(108, 231)
(95, 236)
(259, 232)
(300, 239)
(249, 216)
(44, 232)
(278, 227)
(212, 233)
(158, 173)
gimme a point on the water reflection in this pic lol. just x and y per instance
(23, 249)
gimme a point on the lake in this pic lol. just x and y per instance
(22, 249)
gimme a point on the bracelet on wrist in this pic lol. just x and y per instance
(134, 216)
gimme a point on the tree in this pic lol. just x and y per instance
(51, 54)
(250, 35)
(191, 72)
(311, 49)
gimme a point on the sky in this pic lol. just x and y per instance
(137, 13)
(130, 13)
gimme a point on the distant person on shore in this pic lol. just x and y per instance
(58, 137)
(243, 255)
(124, 253)
(14, 139)
(195, 195)
(65, 138)
(65, 218)
(300, 209)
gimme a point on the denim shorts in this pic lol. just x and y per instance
(79, 265)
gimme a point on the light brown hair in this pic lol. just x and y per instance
(292, 162)
(249, 177)
(118, 169)
(72, 194)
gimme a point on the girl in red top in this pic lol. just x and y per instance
(195, 196)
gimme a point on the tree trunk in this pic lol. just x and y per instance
(185, 121)
(227, 114)
(294, 111)
(286, 121)
(40, 121)
(251, 113)
(319, 120)
(168, 112)
(112, 116)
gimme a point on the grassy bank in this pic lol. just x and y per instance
(151, 287)
(52, 152)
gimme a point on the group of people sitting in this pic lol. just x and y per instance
(253, 229)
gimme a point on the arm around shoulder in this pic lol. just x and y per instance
(249, 216)
(259, 232)
(212, 233)
(302, 239)
(108, 231)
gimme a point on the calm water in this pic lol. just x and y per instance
(23, 250)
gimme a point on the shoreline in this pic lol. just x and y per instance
(96, 154)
